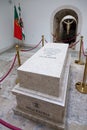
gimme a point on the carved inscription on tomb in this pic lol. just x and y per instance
(36, 105)
(42, 113)
(50, 53)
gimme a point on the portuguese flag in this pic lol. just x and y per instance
(17, 27)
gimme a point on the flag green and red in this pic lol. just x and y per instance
(17, 27)
(21, 22)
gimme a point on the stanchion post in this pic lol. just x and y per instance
(82, 87)
(17, 50)
(79, 61)
(19, 61)
(85, 73)
(42, 40)
(80, 48)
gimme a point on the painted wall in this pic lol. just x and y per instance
(37, 17)
(6, 25)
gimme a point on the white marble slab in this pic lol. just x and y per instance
(43, 72)
(41, 107)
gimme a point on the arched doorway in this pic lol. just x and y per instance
(65, 26)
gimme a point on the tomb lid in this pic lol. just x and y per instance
(49, 60)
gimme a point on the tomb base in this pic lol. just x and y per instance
(56, 125)
(43, 108)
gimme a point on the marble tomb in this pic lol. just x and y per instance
(42, 89)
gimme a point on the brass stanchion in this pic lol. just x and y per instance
(42, 40)
(19, 61)
(17, 50)
(82, 87)
(79, 61)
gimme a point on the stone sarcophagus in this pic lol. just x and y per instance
(42, 88)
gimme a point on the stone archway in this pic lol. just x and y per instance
(56, 25)
(58, 30)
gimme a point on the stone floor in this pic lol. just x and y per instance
(76, 116)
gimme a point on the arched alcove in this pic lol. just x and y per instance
(59, 28)
(68, 29)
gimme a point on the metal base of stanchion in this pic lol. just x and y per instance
(16, 81)
(79, 62)
(80, 88)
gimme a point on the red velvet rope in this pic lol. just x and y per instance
(9, 125)
(70, 46)
(3, 77)
(46, 41)
(32, 48)
(83, 49)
